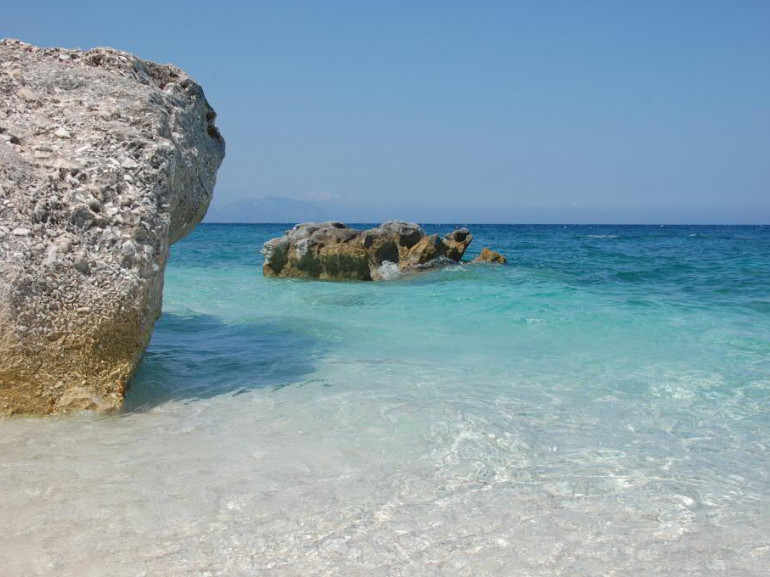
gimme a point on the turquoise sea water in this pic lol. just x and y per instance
(600, 404)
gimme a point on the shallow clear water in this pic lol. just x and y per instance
(599, 405)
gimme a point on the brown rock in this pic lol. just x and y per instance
(334, 251)
(427, 249)
(488, 255)
(456, 243)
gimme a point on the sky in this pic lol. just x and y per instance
(583, 111)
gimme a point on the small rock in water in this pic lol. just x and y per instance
(488, 255)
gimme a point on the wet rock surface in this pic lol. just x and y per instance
(490, 256)
(334, 251)
(105, 160)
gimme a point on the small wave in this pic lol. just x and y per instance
(455, 268)
(389, 270)
(602, 236)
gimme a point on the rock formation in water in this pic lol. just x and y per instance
(334, 251)
(105, 160)
(488, 255)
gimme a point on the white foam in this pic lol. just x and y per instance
(389, 270)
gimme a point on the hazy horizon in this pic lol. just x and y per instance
(272, 209)
(552, 111)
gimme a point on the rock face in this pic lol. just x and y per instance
(105, 160)
(487, 255)
(334, 251)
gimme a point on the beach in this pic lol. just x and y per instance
(599, 405)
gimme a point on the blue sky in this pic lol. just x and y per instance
(547, 111)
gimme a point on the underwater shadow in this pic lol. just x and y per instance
(199, 356)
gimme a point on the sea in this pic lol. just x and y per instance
(598, 406)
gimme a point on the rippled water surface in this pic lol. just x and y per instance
(600, 405)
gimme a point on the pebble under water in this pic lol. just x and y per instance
(600, 405)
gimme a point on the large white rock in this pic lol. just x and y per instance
(105, 160)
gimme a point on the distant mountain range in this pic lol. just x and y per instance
(269, 209)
